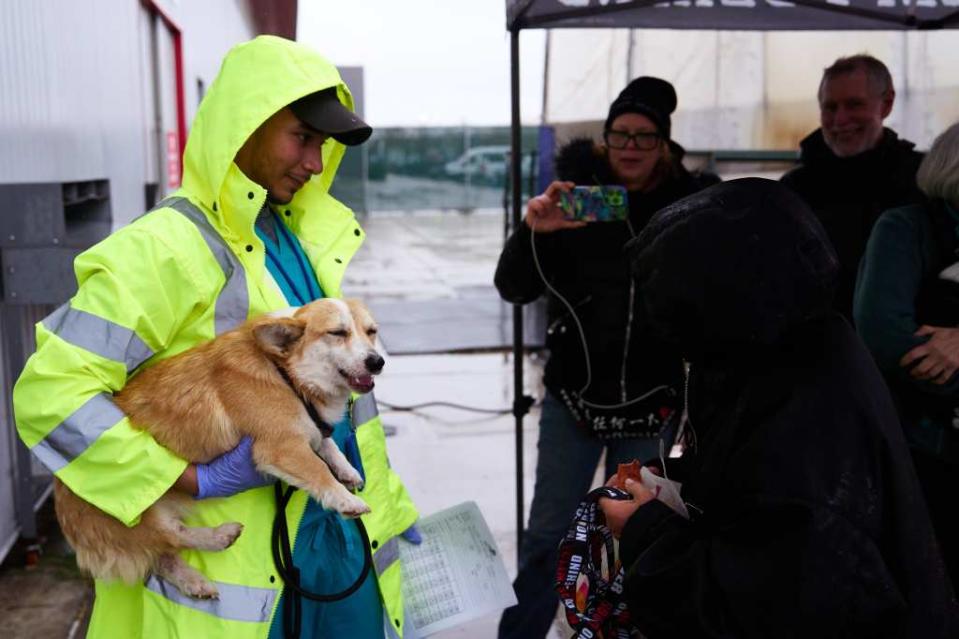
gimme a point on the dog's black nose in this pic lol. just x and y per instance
(374, 363)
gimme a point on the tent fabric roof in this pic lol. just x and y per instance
(740, 15)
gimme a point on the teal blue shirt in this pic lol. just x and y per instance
(328, 549)
(901, 253)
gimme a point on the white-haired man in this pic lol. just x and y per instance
(852, 167)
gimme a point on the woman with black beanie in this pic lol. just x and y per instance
(609, 385)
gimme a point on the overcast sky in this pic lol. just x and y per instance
(428, 62)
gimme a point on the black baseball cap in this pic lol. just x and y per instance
(324, 112)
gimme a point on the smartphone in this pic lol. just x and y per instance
(595, 203)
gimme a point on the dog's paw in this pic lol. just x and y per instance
(350, 478)
(199, 588)
(343, 502)
(225, 534)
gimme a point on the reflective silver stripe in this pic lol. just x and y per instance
(364, 409)
(98, 335)
(389, 629)
(233, 302)
(77, 432)
(236, 603)
(387, 555)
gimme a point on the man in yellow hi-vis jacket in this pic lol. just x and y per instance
(253, 229)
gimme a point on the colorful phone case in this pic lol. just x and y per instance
(595, 203)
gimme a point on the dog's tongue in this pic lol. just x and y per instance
(362, 383)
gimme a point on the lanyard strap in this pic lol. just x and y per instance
(284, 236)
(278, 268)
(305, 271)
(594, 602)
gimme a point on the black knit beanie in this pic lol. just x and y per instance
(649, 96)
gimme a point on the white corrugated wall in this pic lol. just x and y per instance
(77, 104)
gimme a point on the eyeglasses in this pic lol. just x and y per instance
(644, 140)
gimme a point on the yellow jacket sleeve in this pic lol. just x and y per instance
(135, 292)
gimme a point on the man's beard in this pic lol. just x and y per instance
(851, 148)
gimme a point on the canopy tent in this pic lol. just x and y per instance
(739, 15)
(733, 15)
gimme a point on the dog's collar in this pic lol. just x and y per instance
(325, 428)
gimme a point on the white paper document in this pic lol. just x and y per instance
(456, 574)
(666, 490)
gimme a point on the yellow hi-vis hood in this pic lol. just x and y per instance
(257, 79)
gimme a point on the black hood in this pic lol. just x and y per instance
(733, 268)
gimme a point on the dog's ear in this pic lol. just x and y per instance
(277, 336)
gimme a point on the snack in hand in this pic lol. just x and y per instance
(626, 471)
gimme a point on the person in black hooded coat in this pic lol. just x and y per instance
(621, 396)
(806, 515)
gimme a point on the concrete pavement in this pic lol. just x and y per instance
(446, 455)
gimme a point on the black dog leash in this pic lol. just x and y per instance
(293, 592)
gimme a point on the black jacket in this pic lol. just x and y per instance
(849, 194)
(587, 266)
(807, 518)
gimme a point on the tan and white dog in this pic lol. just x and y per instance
(200, 403)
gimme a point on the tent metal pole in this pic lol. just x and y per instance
(542, 116)
(516, 181)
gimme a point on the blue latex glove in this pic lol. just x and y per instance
(230, 473)
(412, 535)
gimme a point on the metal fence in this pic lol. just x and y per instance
(447, 168)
